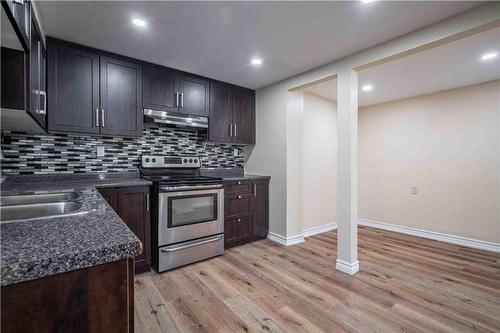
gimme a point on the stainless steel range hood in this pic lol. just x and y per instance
(176, 119)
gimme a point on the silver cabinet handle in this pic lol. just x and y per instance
(177, 99)
(239, 196)
(231, 130)
(239, 220)
(97, 117)
(234, 130)
(44, 94)
(102, 117)
(239, 183)
(147, 202)
(254, 190)
(182, 100)
(177, 248)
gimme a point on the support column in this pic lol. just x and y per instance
(347, 177)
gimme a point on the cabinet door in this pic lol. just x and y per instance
(221, 116)
(121, 97)
(238, 205)
(261, 209)
(195, 94)
(73, 88)
(159, 89)
(133, 209)
(238, 230)
(111, 196)
(242, 101)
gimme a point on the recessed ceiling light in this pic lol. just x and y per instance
(256, 61)
(367, 87)
(367, 1)
(490, 55)
(139, 22)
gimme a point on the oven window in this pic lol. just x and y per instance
(190, 209)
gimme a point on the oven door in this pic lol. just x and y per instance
(189, 214)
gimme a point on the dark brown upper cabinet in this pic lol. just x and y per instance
(242, 101)
(221, 115)
(194, 95)
(91, 92)
(23, 69)
(168, 90)
(232, 114)
(121, 97)
(73, 87)
(160, 89)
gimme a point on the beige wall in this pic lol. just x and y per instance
(448, 145)
(319, 165)
(269, 156)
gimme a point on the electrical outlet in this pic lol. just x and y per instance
(414, 189)
(100, 151)
(235, 152)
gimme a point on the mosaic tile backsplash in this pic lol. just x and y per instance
(60, 153)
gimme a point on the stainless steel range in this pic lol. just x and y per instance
(187, 211)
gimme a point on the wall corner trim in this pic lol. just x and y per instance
(347, 267)
(285, 241)
(447, 238)
(320, 229)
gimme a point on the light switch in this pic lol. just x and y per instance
(414, 189)
(100, 151)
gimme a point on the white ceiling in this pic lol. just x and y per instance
(449, 66)
(217, 39)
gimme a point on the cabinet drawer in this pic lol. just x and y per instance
(238, 205)
(235, 187)
(238, 231)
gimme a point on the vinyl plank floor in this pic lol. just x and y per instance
(405, 284)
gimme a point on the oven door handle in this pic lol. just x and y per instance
(193, 187)
(182, 247)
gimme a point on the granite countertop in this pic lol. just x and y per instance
(246, 177)
(92, 235)
(231, 174)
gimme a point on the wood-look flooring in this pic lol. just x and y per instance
(405, 284)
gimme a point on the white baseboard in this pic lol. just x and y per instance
(457, 240)
(286, 241)
(318, 230)
(347, 267)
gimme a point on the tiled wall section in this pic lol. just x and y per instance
(32, 154)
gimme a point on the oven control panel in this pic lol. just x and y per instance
(162, 161)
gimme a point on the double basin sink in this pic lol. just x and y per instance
(32, 206)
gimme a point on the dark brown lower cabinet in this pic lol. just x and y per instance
(95, 299)
(261, 211)
(131, 203)
(246, 208)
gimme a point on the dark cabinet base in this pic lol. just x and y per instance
(246, 205)
(95, 299)
(132, 205)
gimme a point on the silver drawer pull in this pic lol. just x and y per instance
(239, 220)
(182, 247)
(239, 196)
(239, 183)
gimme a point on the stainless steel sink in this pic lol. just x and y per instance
(29, 211)
(27, 199)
